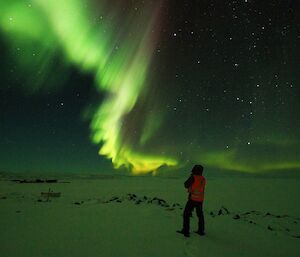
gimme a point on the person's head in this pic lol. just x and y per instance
(197, 169)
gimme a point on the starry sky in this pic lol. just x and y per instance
(147, 86)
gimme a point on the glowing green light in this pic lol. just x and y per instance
(118, 59)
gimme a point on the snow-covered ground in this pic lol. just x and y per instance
(120, 216)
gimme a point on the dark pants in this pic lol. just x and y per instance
(189, 207)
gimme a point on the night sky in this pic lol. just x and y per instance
(136, 85)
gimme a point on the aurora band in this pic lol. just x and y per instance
(117, 51)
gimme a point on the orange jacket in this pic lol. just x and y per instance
(196, 190)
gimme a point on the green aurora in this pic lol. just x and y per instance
(118, 52)
(121, 74)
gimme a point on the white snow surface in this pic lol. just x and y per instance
(120, 216)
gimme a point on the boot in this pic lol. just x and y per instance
(201, 233)
(185, 233)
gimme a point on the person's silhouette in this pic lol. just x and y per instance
(196, 186)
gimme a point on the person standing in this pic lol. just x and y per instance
(196, 187)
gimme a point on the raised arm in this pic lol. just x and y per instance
(189, 182)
